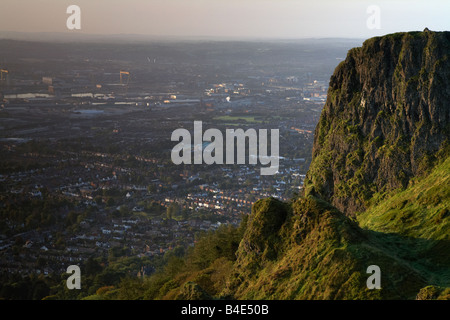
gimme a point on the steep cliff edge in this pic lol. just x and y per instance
(385, 119)
(377, 191)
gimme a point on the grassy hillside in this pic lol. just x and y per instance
(420, 211)
(415, 224)
(324, 255)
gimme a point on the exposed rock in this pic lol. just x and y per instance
(433, 293)
(386, 116)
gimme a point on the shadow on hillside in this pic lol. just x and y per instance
(429, 259)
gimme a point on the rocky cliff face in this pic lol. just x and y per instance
(385, 119)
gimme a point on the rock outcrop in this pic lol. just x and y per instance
(385, 119)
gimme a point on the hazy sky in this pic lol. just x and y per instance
(227, 18)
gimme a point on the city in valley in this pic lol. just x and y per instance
(85, 137)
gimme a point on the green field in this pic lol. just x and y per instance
(245, 119)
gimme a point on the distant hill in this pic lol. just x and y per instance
(80, 36)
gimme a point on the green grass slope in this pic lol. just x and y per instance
(415, 224)
(420, 211)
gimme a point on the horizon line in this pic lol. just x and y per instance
(80, 36)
